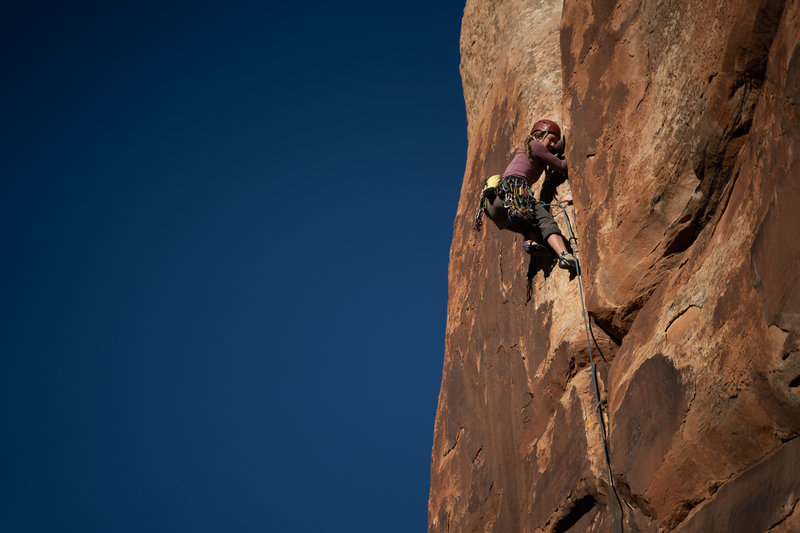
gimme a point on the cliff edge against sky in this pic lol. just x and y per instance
(682, 128)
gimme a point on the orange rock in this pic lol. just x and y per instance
(682, 125)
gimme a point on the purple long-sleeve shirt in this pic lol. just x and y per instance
(531, 170)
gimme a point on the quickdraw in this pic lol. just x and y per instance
(477, 222)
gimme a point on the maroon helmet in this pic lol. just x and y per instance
(548, 126)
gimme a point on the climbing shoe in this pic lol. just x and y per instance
(567, 261)
(533, 247)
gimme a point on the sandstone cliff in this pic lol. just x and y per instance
(683, 130)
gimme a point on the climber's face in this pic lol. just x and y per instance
(549, 141)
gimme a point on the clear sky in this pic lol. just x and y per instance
(225, 230)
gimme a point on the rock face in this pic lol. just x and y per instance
(682, 122)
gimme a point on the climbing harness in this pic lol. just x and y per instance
(593, 368)
(518, 199)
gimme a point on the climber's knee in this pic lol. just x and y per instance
(546, 224)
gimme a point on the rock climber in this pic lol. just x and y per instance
(512, 206)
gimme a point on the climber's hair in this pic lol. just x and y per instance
(537, 135)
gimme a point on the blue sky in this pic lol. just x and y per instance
(225, 232)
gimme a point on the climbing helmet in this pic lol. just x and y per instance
(548, 126)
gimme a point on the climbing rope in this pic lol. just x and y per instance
(593, 368)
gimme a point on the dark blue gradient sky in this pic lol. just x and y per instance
(225, 230)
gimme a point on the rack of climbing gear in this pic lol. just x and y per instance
(593, 368)
(517, 197)
(477, 221)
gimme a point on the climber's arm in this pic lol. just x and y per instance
(549, 159)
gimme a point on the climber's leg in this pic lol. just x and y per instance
(496, 211)
(552, 234)
(556, 242)
(550, 230)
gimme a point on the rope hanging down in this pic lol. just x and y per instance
(574, 243)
